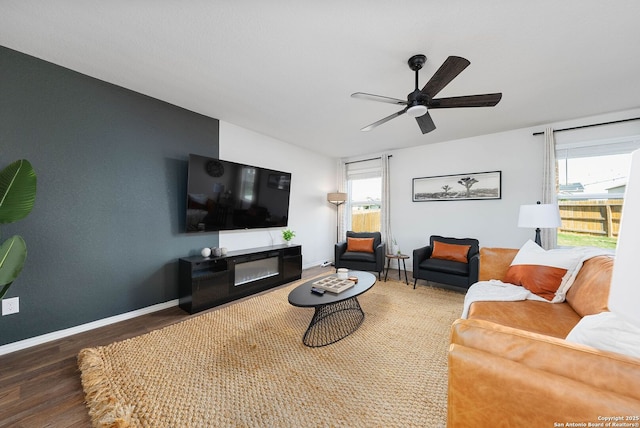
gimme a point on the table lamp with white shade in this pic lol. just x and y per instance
(539, 216)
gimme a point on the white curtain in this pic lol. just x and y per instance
(549, 186)
(341, 179)
(385, 214)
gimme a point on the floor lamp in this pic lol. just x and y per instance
(539, 215)
(337, 199)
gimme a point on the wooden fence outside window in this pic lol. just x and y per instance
(365, 220)
(591, 217)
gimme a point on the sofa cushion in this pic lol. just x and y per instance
(555, 320)
(358, 256)
(597, 374)
(453, 252)
(364, 245)
(445, 266)
(543, 272)
(589, 293)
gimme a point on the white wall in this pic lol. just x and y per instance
(313, 176)
(625, 293)
(493, 222)
(518, 154)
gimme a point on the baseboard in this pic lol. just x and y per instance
(39, 340)
(49, 337)
(312, 264)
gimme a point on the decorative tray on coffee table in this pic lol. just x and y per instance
(333, 284)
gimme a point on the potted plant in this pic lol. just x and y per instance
(17, 196)
(288, 235)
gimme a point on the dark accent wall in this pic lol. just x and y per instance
(105, 234)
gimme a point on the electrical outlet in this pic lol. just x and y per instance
(10, 306)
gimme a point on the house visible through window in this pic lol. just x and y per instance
(591, 183)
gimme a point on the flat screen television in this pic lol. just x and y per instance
(223, 195)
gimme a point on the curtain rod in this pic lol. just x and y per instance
(589, 126)
(365, 160)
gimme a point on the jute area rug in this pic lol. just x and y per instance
(244, 365)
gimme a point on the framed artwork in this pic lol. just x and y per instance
(458, 187)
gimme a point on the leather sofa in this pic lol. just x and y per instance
(509, 364)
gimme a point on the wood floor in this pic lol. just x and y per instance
(40, 386)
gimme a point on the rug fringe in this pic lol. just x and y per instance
(105, 411)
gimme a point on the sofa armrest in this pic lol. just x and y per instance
(494, 262)
(380, 252)
(340, 249)
(474, 268)
(420, 255)
(503, 376)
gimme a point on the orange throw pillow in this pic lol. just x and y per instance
(547, 273)
(361, 245)
(541, 280)
(453, 252)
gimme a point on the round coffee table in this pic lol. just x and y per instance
(336, 315)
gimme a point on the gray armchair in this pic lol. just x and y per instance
(449, 270)
(361, 260)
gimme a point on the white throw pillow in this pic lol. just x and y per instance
(609, 332)
(547, 273)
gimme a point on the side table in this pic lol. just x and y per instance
(397, 257)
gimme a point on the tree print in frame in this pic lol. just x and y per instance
(458, 187)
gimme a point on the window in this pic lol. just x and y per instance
(364, 204)
(364, 190)
(591, 184)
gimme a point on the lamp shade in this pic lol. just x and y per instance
(539, 216)
(336, 198)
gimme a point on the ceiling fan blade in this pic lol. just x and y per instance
(381, 121)
(380, 98)
(425, 123)
(484, 100)
(448, 71)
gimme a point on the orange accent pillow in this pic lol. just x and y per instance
(453, 252)
(547, 273)
(539, 279)
(361, 245)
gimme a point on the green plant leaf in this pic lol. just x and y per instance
(13, 253)
(288, 234)
(4, 290)
(17, 191)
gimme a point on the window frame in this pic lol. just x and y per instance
(361, 170)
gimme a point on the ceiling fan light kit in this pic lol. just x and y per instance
(419, 101)
(417, 110)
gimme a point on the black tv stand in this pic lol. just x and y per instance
(206, 282)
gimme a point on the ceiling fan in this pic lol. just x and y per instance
(419, 101)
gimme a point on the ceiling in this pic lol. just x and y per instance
(286, 68)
